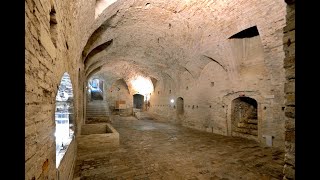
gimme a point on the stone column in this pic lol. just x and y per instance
(289, 90)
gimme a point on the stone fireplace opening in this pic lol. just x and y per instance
(244, 117)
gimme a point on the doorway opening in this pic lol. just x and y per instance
(180, 105)
(138, 101)
(244, 117)
(96, 89)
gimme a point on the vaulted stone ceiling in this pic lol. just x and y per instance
(162, 38)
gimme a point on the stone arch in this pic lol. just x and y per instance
(227, 105)
(101, 5)
(244, 117)
(64, 116)
(102, 47)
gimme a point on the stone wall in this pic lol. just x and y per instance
(289, 89)
(67, 164)
(50, 50)
(119, 91)
(190, 54)
(160, 105)
(98, 137)
(249, 66)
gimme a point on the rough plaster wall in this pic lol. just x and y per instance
(249, 56)
(119, 91)
(261, 73)
(44, 67)
(160, 104)
(184, 33)
(289, 65)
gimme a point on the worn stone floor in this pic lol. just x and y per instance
(150, 149)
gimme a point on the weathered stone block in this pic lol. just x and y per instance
(290, 147)
(47, 42)
(30, 150)
(290, 99)
(102, 136)
(290, 51)
(290, 136)
(290, 72)
(29, 166)
(290, 123)
(290, 112)
(289, 158)
(289, 86)
(290, 18)
(289, 171)
(289, 38)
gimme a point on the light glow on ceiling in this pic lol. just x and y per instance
(142, 85)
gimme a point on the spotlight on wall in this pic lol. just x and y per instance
(172, 101)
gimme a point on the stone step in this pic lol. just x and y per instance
(92, 109)
(102, 112)
(96, 111)
(246, 131)
(249, 121)
(98, 107)
(248, 126)
(252, 121)
(96, 115)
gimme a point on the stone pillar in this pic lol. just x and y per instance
(289, 90)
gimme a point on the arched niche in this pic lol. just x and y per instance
(180, 105)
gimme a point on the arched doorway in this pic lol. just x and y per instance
(96, 89)
(244, 117)
(138, 100)
(64, 117)
(180, 105)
